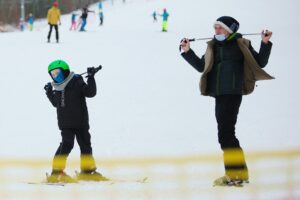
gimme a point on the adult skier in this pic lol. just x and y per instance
(69, 99)
(230, 68)
(84, 17)
(53, 17)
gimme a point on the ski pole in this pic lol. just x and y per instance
(210, 38)
(97, 69)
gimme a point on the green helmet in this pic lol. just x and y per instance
(58, 64)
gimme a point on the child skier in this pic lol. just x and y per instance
(73, 22)
(22, 24)
(68, 97)
(165, 17)
(101, 16)
(154, 14)
(30, 22)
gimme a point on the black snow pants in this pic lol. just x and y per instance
(56, 31)
(226, 111)
(83, 138)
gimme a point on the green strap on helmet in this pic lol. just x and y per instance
(58, 64)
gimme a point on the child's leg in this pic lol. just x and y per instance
(73, 25)
(164, 25)
(64, 149)
(83, 138)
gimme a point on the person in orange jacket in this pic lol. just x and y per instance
(54, 20)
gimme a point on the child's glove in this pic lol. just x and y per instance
(48, 88)
(91, 71)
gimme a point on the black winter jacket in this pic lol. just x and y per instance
(226, 76)
(70, 103)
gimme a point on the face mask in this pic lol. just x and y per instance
(59, 77)
(220, 37)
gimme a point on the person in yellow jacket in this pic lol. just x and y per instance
(54, 20)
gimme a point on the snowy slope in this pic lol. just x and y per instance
(148, 100)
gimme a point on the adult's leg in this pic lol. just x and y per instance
(56, 31)
(50, 31)
(83, 25)
(227, 109)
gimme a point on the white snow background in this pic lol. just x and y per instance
(148, 101)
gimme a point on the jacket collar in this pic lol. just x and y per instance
(63, 85)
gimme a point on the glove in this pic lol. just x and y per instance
(91, 71)
(48, 88)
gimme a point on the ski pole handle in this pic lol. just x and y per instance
(97, 69)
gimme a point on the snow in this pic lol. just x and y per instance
(148, 101)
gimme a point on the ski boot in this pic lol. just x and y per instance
(227, 181)
(91, 175)
(60, 177)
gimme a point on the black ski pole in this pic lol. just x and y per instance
(97, 69)
(210, 38)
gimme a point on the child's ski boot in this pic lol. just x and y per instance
(59, 177)
(90, 175)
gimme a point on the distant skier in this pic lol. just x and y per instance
(53, 20)
(30, 21)
(101, 16)
(230, 68)
(84, 17)
(165, 17)
(154, 15)
(69, 99)
(73, 21)
(22, 24)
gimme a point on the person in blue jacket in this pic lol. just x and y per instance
(101, 16)
(73, 21)
(30, 22)
(165, 17)
(84, 17)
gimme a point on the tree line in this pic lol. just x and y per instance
(10, 10)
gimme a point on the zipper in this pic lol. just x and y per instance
(233, 81)
(218, 72)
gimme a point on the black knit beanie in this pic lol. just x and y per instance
(228, 23)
